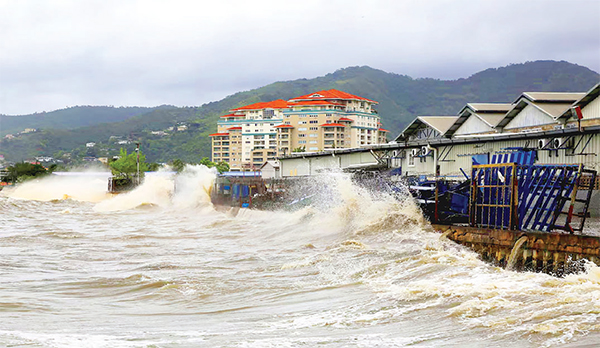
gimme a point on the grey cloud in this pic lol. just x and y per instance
(58, 54)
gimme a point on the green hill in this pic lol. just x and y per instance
(400, 97)
(70, 118)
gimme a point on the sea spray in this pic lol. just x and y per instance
(193, 186)
(80, 186)
(155, 190)
(188, 189)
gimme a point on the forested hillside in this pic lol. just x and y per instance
(70, 118)
(400, 97)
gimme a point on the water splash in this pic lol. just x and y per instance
(513, 258)
(86, 187)
(193, 186)
(189, 189)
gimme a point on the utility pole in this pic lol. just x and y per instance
(138, 161)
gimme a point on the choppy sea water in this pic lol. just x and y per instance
(157, 268)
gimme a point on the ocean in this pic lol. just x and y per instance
(158, 267)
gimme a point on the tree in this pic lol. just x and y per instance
(299, 149)
(126, 165)
(178, 165)
(23, 171)
(221, 166)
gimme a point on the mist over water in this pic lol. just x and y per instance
(161, 267)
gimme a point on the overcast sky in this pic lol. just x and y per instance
(55, 54)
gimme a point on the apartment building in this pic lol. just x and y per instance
(245, 131)
(329, 119)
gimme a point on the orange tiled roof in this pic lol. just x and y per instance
(346, 119)
(234, 128)
(233, 115)
(330, 94)
(333, 125)
(217, 134)
(275, 104)
(284, 126)
(383, 130)
(312, 102)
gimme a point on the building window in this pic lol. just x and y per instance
(411, 160)
(302, 142)
(314, 128)
(313, 135)
(268, 114)
(313, 142)
(302, 129)
(313, 148)
(301, 135)
(313, 121)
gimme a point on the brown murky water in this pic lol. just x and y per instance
(154, 268)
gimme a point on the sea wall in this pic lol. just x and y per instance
(554, 253)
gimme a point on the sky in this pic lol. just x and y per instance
(62, 53)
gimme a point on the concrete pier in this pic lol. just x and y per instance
(553, 253)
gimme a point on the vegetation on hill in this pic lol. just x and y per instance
(71, 118)
(400, 97)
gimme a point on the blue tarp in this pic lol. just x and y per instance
(481, 159)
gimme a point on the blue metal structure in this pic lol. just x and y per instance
(530, 197)
(519, 157)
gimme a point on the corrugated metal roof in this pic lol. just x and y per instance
(551, 96)
(583, 101)
(489, 107)
(554, 104)
(553, 109)
(490, 113)
(439, 123)
(491, 118)
(436, 122)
